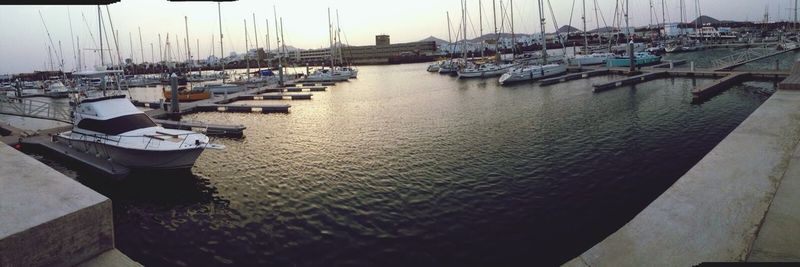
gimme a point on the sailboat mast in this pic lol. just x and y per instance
(464, 18)
(72, 41)
(255, 32)
(130, 38)
(480, 21)
(152, 53)
(513, 36)
(277, 36)
(246, 50)
(100, 27)
(339, 38)
(544, 38)
(449, 34)
(283, 43)
(664, 16)
(330, 35)
(188, 46)
(221, 49)
(141, 46)
(585, 38)
(268, 48)
(160, 52)
(494, 19)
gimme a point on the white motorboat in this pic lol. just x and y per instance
(434, 67)
(591, 59)
(532, 72)
(223, 88)
(111, 127)
(326, 75)
(485, 70)
(352, 71)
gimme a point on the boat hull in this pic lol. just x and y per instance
(516, 77)
(136, 158)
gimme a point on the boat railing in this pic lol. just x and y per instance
(149, 141)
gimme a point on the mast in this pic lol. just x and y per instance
(141, 46)
(160, 53)
(188, 46)
(544, 38)
(221, 50)
(130, 38)
(339, 38)
(630, 37)
(277, 36)
(100, 26)
(267, 40)
(152, 53)
(80, 63)
(464, 18)
(664, 16)
(255, 31)
(585, 38)
(330, 35)
(72, 40)
(682, 11)
(246, 50)
(480, 21)
(494, 18)
(513, 36)
(449, 34)
(283, 44)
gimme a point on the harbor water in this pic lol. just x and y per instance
(405, 168)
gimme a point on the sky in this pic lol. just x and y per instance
(24, 46)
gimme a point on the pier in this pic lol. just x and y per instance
(737, 204)
(704, 92)
(574, 76)
(629, 81)
(744, 57)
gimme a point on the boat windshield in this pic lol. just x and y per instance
(117, 125)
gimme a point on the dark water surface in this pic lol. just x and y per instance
(405, 168)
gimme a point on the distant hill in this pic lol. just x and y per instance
(567, 28)
(705, 20)
(434, 39)
(603, 30)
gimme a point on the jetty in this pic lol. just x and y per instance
(737, 204)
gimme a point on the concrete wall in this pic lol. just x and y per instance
(716, 210)
(46, 218)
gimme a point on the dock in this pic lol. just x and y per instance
(704, 92)
(98, 164)
(277, 108)
(669, 64)
(574, 76)
(747, 56)
(628, 81)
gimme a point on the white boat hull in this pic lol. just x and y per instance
(531, 74)
(135, 158)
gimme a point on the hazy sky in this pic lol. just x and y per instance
(23, 47)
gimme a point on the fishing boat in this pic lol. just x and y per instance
(112, 127)
(640, 59)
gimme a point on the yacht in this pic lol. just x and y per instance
(532, 72)
(111, 127)
(352, 71)
(484, 70)
(57, 89)
(448, 67)
(591, 59)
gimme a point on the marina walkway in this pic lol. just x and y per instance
(739, 203)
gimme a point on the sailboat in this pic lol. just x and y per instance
(534, 72)
(639, 58)
(586, 58)
(331, 74)
(484, 70)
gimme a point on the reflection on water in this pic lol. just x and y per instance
(405, 168)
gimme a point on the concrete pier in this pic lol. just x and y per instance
(574, 76)
(278, 108)
(704, 92)
(630, 80)
(49, 219)
(739, 203)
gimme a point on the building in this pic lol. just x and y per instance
(382, 39)
(383, 52)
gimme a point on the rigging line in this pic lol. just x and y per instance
(114, 33)
(48, 35)
(571, 13)
(555, 25)
(72, 40)
(89, 29)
